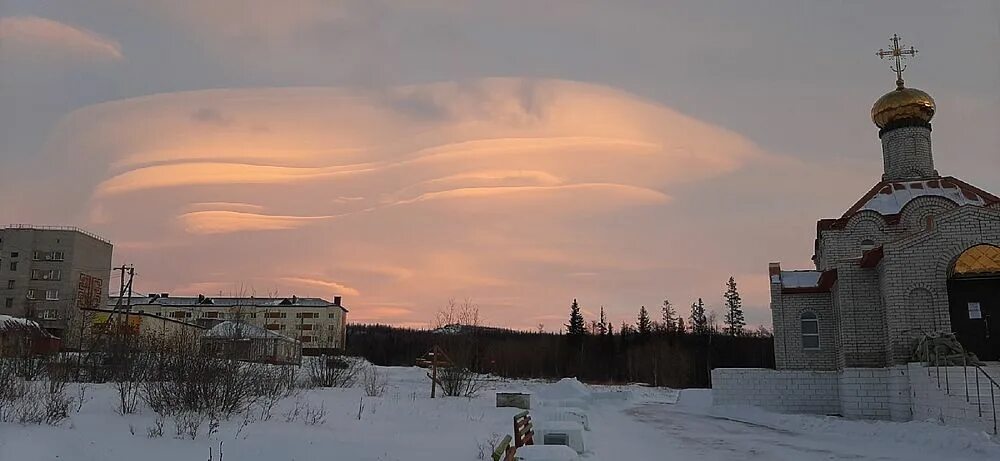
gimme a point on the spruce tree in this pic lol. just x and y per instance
(642, 324)
(734, 309)
(602, 326)
(669, 317)
(680, 324)
(699, 322)
(576, 325)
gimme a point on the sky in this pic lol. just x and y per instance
(517, 153)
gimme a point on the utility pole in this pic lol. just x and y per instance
(123, 288)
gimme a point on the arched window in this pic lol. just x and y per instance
(867, 245)
(810, 331)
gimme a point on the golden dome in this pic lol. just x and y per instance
(903, 104)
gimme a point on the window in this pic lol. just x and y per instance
(304, 326)
(13, 254)
(306, 339)
(180, 314)
(307, 315)
(52, 295)
(331, 315)
(332, 327)
(272, 326)
(8, 303)
(867, 245)
(30, 294)
(13, 266)
(810, 331)
(210, 315)
(275, 315)
(10, 284)
(49, 274)
(48, 256)
(48, 314)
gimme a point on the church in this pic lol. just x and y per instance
(917, 254)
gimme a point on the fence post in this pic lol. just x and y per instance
(993, 398)
(965, 375)
(979, 396)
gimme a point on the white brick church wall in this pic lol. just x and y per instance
(898, 393)
(784, 391)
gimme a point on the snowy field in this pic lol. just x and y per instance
(405, 425)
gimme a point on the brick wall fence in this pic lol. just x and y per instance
(898, 393)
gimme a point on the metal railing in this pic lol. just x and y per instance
(994, 386)
(56, 228)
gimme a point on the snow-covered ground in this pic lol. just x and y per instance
(405, 425)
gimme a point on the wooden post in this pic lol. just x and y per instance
(434, 370)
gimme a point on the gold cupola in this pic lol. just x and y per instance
(902, 106)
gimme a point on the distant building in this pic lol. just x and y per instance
(46, 273)
(244, 341)
(317, 323)
(20, 337)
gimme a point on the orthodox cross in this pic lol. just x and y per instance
(899, 53)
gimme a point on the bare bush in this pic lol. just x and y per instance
(81, 396)
(375, 382)
(56, 403)
(187, 381)
(488, 446)
(333, 371)
(43, 401)
(187, 424)
(156, 430)
(314, 416)
(129, 364)
(459, 382)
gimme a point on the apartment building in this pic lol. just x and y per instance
(317, 323)
(46, 273)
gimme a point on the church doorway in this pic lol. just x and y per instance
(974, 300)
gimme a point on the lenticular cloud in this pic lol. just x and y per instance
(451, 183)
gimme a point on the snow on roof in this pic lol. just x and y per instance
(231, 329)
(225, 302)
(17, 324)
(800, 279)
(891, 197)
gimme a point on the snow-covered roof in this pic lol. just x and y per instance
(17, 324)
(232, 330)
(889, 197)
(800, 279)
(226, 302)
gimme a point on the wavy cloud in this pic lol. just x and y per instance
(34, 36)
(501, 189)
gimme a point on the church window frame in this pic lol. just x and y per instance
(809, 330)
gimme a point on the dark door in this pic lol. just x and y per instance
(979, 335)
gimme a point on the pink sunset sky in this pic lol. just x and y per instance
(518, 153)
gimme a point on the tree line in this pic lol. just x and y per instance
(668, 351)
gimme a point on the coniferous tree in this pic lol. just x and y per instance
(602, 326)
(669, 317)
(642, 324)
(576, 326)
(734, 309)
(680, 324)
(699, 321)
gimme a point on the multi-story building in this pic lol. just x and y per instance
(46, 273)
(319, 324)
